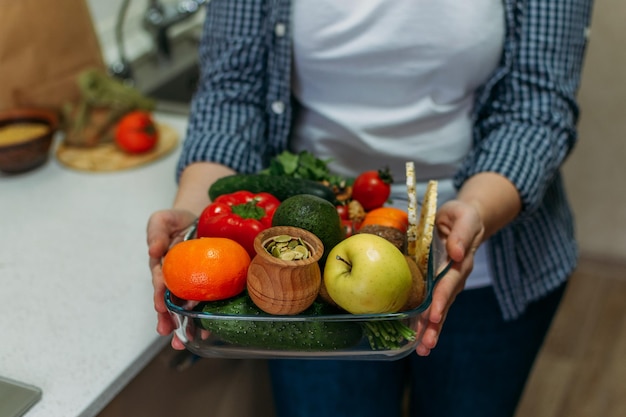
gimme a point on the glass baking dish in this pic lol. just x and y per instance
(336, 335)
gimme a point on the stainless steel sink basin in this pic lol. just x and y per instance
(179, 88)
(170, 81)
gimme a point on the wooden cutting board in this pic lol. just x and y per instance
(107, 157)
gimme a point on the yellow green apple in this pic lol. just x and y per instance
(367, 274)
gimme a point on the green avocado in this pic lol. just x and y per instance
(314, 214)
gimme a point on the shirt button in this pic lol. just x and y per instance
(280, 29)
(278, 107)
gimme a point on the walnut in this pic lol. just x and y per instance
(356, 212)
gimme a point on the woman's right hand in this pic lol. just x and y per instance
(165, 228)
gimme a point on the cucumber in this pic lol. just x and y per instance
(290, 335)
(281, 187)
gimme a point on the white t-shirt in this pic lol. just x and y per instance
(384, 82)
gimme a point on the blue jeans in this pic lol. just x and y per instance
(479, 368)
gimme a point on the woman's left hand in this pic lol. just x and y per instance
(460, 226)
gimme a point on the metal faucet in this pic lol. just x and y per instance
(121, 68)
(159, 17)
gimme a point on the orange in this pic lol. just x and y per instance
(206, 269)
(387, 216)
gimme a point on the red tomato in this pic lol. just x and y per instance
(372, 188)
(136, 132)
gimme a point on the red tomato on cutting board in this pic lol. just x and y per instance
(136, 132)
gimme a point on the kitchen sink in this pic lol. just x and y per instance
(179, 88)
(170, 81)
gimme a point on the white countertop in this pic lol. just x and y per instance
(76, 312)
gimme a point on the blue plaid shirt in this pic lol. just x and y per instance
(524, 121)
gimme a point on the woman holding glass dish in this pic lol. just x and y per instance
(481, 96)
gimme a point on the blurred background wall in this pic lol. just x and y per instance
(595, 173)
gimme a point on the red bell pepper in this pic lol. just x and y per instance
(239, 216)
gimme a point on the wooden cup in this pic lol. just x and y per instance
(284, 287)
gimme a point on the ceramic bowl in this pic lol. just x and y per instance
(26, 138)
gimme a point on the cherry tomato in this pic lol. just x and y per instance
(372, 188)
(342, 210)
(350, 226)
(136, 132)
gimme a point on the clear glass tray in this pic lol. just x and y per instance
(307, 336)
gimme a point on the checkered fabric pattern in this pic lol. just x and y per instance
(525, 121)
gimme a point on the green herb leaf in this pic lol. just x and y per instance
(302, 165)
(311, 167)
(288, 161)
